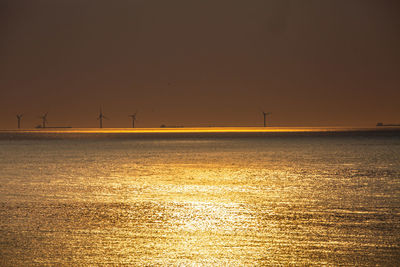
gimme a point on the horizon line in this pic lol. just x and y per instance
(213, 129)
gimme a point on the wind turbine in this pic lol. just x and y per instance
(101, 117)
(19, 117)
(44, 120)
(133, 119)
(265, 117)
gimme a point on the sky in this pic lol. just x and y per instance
(200, 62)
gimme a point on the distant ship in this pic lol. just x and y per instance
(381, 124)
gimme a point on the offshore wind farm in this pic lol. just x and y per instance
(45, 124)
(266, 127)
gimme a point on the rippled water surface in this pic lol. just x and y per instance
(265, 200)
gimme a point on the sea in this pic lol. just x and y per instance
(327, 197)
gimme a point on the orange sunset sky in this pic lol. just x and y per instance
(200, 63)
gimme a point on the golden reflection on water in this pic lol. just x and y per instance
(199, 202)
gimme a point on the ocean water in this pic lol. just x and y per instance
(200, 199)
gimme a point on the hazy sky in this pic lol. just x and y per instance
(200, 62)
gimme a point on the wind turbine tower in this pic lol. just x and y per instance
(19, 117)
(101, 117)
(44, 120)
(133, 119)
(265, 117)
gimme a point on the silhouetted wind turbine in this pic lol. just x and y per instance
(19, 117)
(44, 120)
(265, 117)
(133, 119)
(101, 117)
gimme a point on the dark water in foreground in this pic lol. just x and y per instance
(206, 199)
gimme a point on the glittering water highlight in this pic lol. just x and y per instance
(288, 199)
